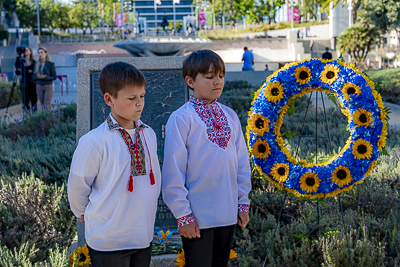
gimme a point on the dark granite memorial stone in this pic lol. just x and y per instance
(165, 92)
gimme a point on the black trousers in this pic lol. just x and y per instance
(29, 95)
(121, 258)
(212, 249)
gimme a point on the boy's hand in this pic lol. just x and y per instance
(190, 230)
(243, 219)
(82, 218)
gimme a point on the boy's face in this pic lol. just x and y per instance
(127, 107)
(207, 86)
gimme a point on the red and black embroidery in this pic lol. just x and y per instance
(218, 130)
(136, 150)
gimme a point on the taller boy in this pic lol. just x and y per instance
(114, 181)
(206, 171)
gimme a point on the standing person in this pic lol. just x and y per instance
(248, 60)
(115, 177)
(28, 87)
(206, 171)
(44, 75)
(327, 54)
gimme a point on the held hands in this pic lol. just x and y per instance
(41, 76)
(243, 219)
(190, 230)
(82, 218)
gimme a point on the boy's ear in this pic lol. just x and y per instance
(108, 99)
(189, 81)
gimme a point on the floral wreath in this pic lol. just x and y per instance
(359, 101)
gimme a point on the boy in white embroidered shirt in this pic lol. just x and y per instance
(115, 177)
(206, 171)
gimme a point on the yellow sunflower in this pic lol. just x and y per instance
(362, 117)
(80, 257)
(350, 89)
(329, 74)
(258, 124)
(382, 139)
(260, 149)
(280, 172)
(362, 149)
(341, 176)
(302, 74)
(274, 91)
(309, 182)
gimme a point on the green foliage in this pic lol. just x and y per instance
(31, 212)
(4, 35)
(387, 83)
(364, 252)
(357, 40)
(5, 90)
(42, 143)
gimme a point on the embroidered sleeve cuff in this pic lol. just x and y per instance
(186, 220)
(243, 207)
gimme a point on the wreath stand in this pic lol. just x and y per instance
(316, 161)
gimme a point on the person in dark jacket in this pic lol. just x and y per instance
(327, 54)
(44, 75)
(28, 87)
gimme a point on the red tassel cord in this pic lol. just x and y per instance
(130, 184)
(152, 180)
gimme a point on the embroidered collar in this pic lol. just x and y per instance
(136, 149)
(218, 129)
(113, 124)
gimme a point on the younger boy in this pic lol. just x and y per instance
(115, 177)
(206, 171)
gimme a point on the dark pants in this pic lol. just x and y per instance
(212, 249)
(121, 258)
(29, 96)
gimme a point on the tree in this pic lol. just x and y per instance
(266, 8)
(84, 15)
(384, 15)
(357, 40)
(356, 4)
(26, 12)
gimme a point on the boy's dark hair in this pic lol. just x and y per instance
(200, 62)
(117, 75)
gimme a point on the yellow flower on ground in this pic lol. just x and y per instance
(232, 255)
(258, 124)
(260, 149)
(362, 117)
(302, 74)
(309, 182)
(280, 172)
(350, 89)
(362, 149)
(341, 176)
(80, 257)
(329, 74)
(274, 91)
(180, 260)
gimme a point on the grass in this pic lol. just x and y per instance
(387, 82)
(232, 34)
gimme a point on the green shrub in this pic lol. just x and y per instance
(4, 34)
(31, 212)
(387, 82)
(5, 90)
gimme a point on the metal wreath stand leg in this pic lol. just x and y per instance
(316, 161)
